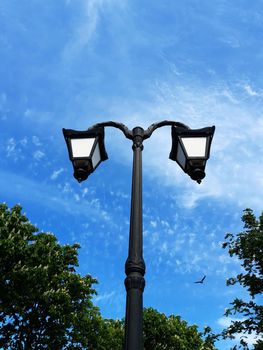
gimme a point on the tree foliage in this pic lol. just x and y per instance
(171, 333)
(247, 246)
(111, 335)
(44, 303)
(159, 332)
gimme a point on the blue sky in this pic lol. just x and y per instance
(74, 63)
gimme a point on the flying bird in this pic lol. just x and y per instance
(202, 280)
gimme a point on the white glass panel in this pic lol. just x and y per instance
(96, 156)
(180, 156)
(81, 147)
(195, 146)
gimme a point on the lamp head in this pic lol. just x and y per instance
(86, 150)
(191, 150)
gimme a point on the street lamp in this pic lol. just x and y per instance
(86, 150)
(190, 149)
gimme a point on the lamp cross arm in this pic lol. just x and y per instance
(148, 132)
(126, 131)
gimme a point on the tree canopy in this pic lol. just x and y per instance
(247, 246)
(160, 332)
(163, 332)
(44, 303)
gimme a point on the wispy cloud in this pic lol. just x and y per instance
(4, 109)
(85, 30)
(56, 173)
(38, 115)
(36, 141)
(50, 195)
(237, 146)
(15, 149)
(38, 155)
(105, 297)
(251, 92)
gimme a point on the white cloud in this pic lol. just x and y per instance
(250, 91)
(153, 224)
(232, 41)
(24, 141)
(67, 188)
(105, 297)
(164, 247)
(14, 149)
(38, 155)
(36, 141)
(4, 109)
(234, 170)
(59, 199)
(56, 173)
(38, 116)
(195, 249)
(85, 30)
(10, 147)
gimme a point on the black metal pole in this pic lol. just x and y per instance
(135, 266)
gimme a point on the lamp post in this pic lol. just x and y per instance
(190, 149)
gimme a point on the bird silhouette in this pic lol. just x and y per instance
(202, 280)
